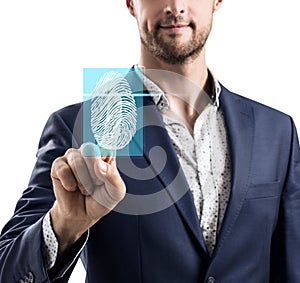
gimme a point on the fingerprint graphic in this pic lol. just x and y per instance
(113, 112)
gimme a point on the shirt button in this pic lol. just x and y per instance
(211, 280)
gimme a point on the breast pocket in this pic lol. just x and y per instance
(264, 190)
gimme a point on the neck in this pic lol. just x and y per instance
(184, 84)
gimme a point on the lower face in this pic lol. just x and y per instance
(173, 41)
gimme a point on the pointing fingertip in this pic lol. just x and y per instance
(90, 149)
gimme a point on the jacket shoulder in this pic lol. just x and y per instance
(69, 112)
(258, 107)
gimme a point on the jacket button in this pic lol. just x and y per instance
(211, 280)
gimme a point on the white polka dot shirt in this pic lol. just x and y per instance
(204, 158)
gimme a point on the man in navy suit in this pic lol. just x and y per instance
(224, 207)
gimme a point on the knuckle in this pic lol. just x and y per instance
(75, 161)
(64, 172)
(57, 161)
(56, 166)
(70, 151)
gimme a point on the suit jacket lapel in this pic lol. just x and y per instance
(239, 122)
(172, 176)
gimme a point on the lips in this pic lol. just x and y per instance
(174, 26)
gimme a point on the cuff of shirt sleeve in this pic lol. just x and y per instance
(58, 267)
(50, 244)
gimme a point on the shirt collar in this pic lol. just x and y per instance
(159, 96)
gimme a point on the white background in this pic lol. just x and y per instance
(253, 50)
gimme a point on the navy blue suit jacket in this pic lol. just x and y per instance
(259, 241)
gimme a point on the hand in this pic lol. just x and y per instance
(86, 189)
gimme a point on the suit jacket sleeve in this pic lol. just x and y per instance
(286, 238)
(21, 238)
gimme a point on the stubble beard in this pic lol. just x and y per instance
(171, 51)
